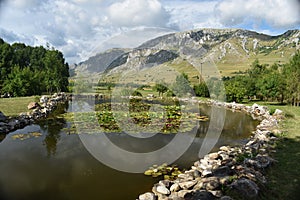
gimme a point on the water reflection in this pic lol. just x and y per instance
(57, 166)
(52, 126)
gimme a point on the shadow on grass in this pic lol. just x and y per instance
(284, 176)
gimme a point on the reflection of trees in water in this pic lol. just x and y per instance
(2, 136)
(236, 124)
(202, 130)
(52, 126)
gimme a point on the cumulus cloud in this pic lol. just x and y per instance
(77, 27)
(138, 13)
(276, 13)
(191, 14)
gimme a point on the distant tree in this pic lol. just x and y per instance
(255, 72)
(161, 88)
(201, 90)
(216, 88)
(182, 86)
(272, 86)
(234, 91)
(291, 72)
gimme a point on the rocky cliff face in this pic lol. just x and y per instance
(230, 49)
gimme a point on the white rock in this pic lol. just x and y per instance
(188, 184)
(162, 189)
(175, 187)
(147, 196)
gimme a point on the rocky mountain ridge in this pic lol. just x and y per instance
(230, 50)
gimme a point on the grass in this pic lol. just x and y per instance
(284, 176)
(15, 106)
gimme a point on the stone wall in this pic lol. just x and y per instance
(231, 172)
(37, 111)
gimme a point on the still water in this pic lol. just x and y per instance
(57, 166)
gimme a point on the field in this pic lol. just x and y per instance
(15, 106)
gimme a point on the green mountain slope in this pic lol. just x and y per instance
(202, 53)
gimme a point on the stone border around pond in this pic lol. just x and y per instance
(38, 111)
(231, 172)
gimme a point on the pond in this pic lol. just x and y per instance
(45, 161)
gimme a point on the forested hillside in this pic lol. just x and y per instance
(26, 70)
(279, 82)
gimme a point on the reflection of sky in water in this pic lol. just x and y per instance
(57, 166)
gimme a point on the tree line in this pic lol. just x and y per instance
(278, 82)
(26, 70)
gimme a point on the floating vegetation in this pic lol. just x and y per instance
(169, 172)
(24, 136)
(135, 117)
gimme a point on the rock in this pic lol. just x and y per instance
(187, 184)
(196, 173)
(203, 195)
(259, 161)
(174, 196)
(165, 183)
(182, 193)
(2, 117)
(211, 183)
(162, 189)
(278, 112)
(33, 105)
(225, 148)
(206, 172)
(216, 193)
(245, 188)
(147, 196)
(175, 187)
(187, 177)
(222, 171)
(44, 99)
(226, 198)
(213, 156)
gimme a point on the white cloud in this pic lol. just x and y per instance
(276, 13)
(192, 14)
(77, 27)
(132, 13)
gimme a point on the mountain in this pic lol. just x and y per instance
(206, 52)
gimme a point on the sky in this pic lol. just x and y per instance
(82, 28)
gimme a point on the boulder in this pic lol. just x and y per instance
(187, 184)
(175, 187)
(2, 117)
(222, 171)
(33, 105)
(161, 189)
(147, 196)
(203, 195)
(245, 188)
(44, 99)
(278, 112)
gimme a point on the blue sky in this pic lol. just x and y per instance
(80, 28)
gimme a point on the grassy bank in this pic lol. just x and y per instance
(15, 106)
(284, 176)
